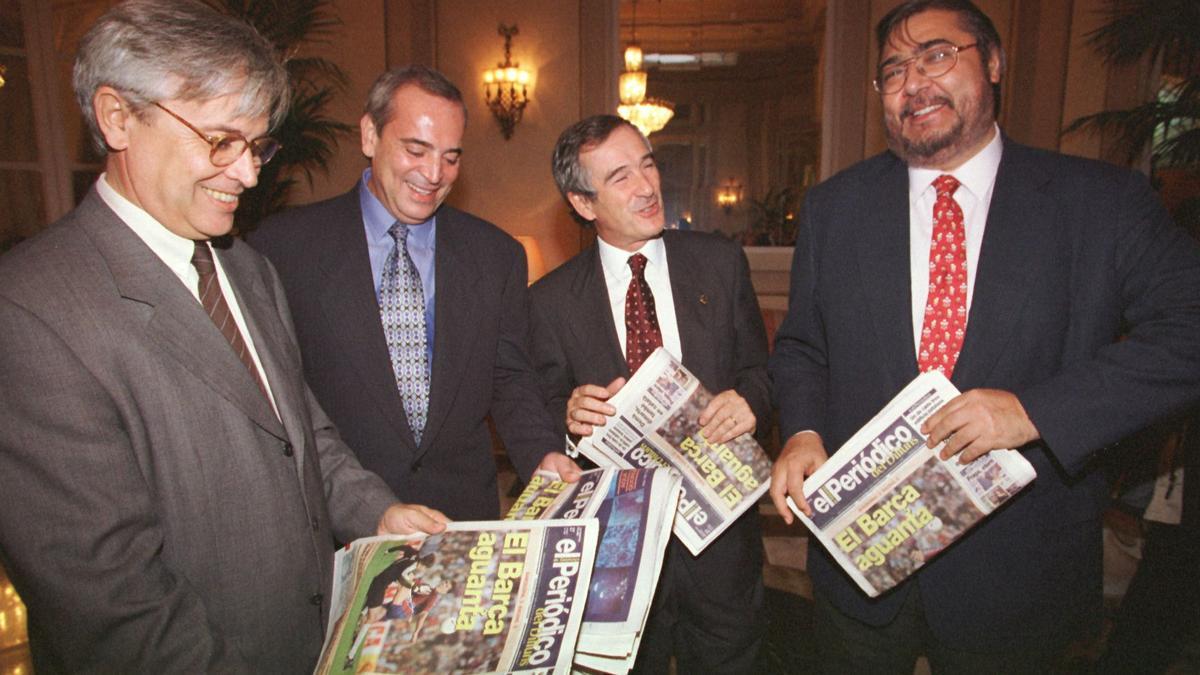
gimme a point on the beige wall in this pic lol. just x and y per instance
(571, 48)
(563, 44)
(357, 46)
(508, 181)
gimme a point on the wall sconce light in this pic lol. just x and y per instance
(505, 87)
(729, 195)
(3, 70)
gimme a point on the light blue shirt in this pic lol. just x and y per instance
(422, 243)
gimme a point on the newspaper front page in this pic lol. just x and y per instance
(885, 504)
(480, 597)
(657, 425)
(635, 509)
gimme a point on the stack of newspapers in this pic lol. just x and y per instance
(634, 508)
(482, 597)
(566, 583)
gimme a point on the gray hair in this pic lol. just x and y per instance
(582, 136)
(150, 51)
(379, 100)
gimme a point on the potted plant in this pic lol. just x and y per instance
(1167, 33)
(308, 134)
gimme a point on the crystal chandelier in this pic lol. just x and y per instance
(647, 114)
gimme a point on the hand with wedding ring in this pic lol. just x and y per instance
(726, 417)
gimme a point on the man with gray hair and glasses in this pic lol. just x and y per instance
(172, 491)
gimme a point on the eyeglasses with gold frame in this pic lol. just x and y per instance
(932, 62)
(225, 150)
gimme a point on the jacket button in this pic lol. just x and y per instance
(316, 525)
(416, 466)
(316, 599)
(287, 450)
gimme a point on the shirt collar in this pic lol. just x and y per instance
(977, 174)
(616, 260)
(175, 251)
(378, 220)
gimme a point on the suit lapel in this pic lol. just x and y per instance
(1020, 223)
(590, 319)
(456, 275)
(174, 320)
(271, 342)
(881, 235)
(348, 302)
(693, 309)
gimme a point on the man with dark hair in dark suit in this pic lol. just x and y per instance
(411, 314)
(595, 318)
(1012, 270)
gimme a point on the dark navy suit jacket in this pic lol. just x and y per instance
(481, 365)
(1075, 253)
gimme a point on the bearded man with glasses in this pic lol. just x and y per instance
(172, 491)
(1011, 270)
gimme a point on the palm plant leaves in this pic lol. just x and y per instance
(1166, 32)
(308, 134)
(1156, 28)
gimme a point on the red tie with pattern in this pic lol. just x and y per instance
(642, 335)
(946, 307)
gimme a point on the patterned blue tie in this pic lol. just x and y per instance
(402, 309)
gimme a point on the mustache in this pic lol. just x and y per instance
(914, 105)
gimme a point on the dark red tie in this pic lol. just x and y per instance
(946, 307)
(642, 335)
(214, 303)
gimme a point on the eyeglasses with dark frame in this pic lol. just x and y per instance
(933, 61)
(225, 150)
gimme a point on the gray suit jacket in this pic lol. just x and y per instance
(157, 516)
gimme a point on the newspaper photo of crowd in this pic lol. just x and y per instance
(401, 614)
(950, 508)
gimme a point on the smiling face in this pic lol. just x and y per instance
(165, 168)
(627, 208)
(939, 122)
(415, 157)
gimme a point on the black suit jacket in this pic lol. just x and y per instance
(480, 363)
(720, 328)
(1074, 251)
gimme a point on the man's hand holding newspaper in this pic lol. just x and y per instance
(726, 416)
(803, 454)
(892, 497)
(978, 422)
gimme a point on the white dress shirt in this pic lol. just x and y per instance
(176, 253)
(617, 276)
(977, 177)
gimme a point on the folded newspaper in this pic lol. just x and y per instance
(635, 508)
(885, 504)
(480, 597)
(657, 425)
